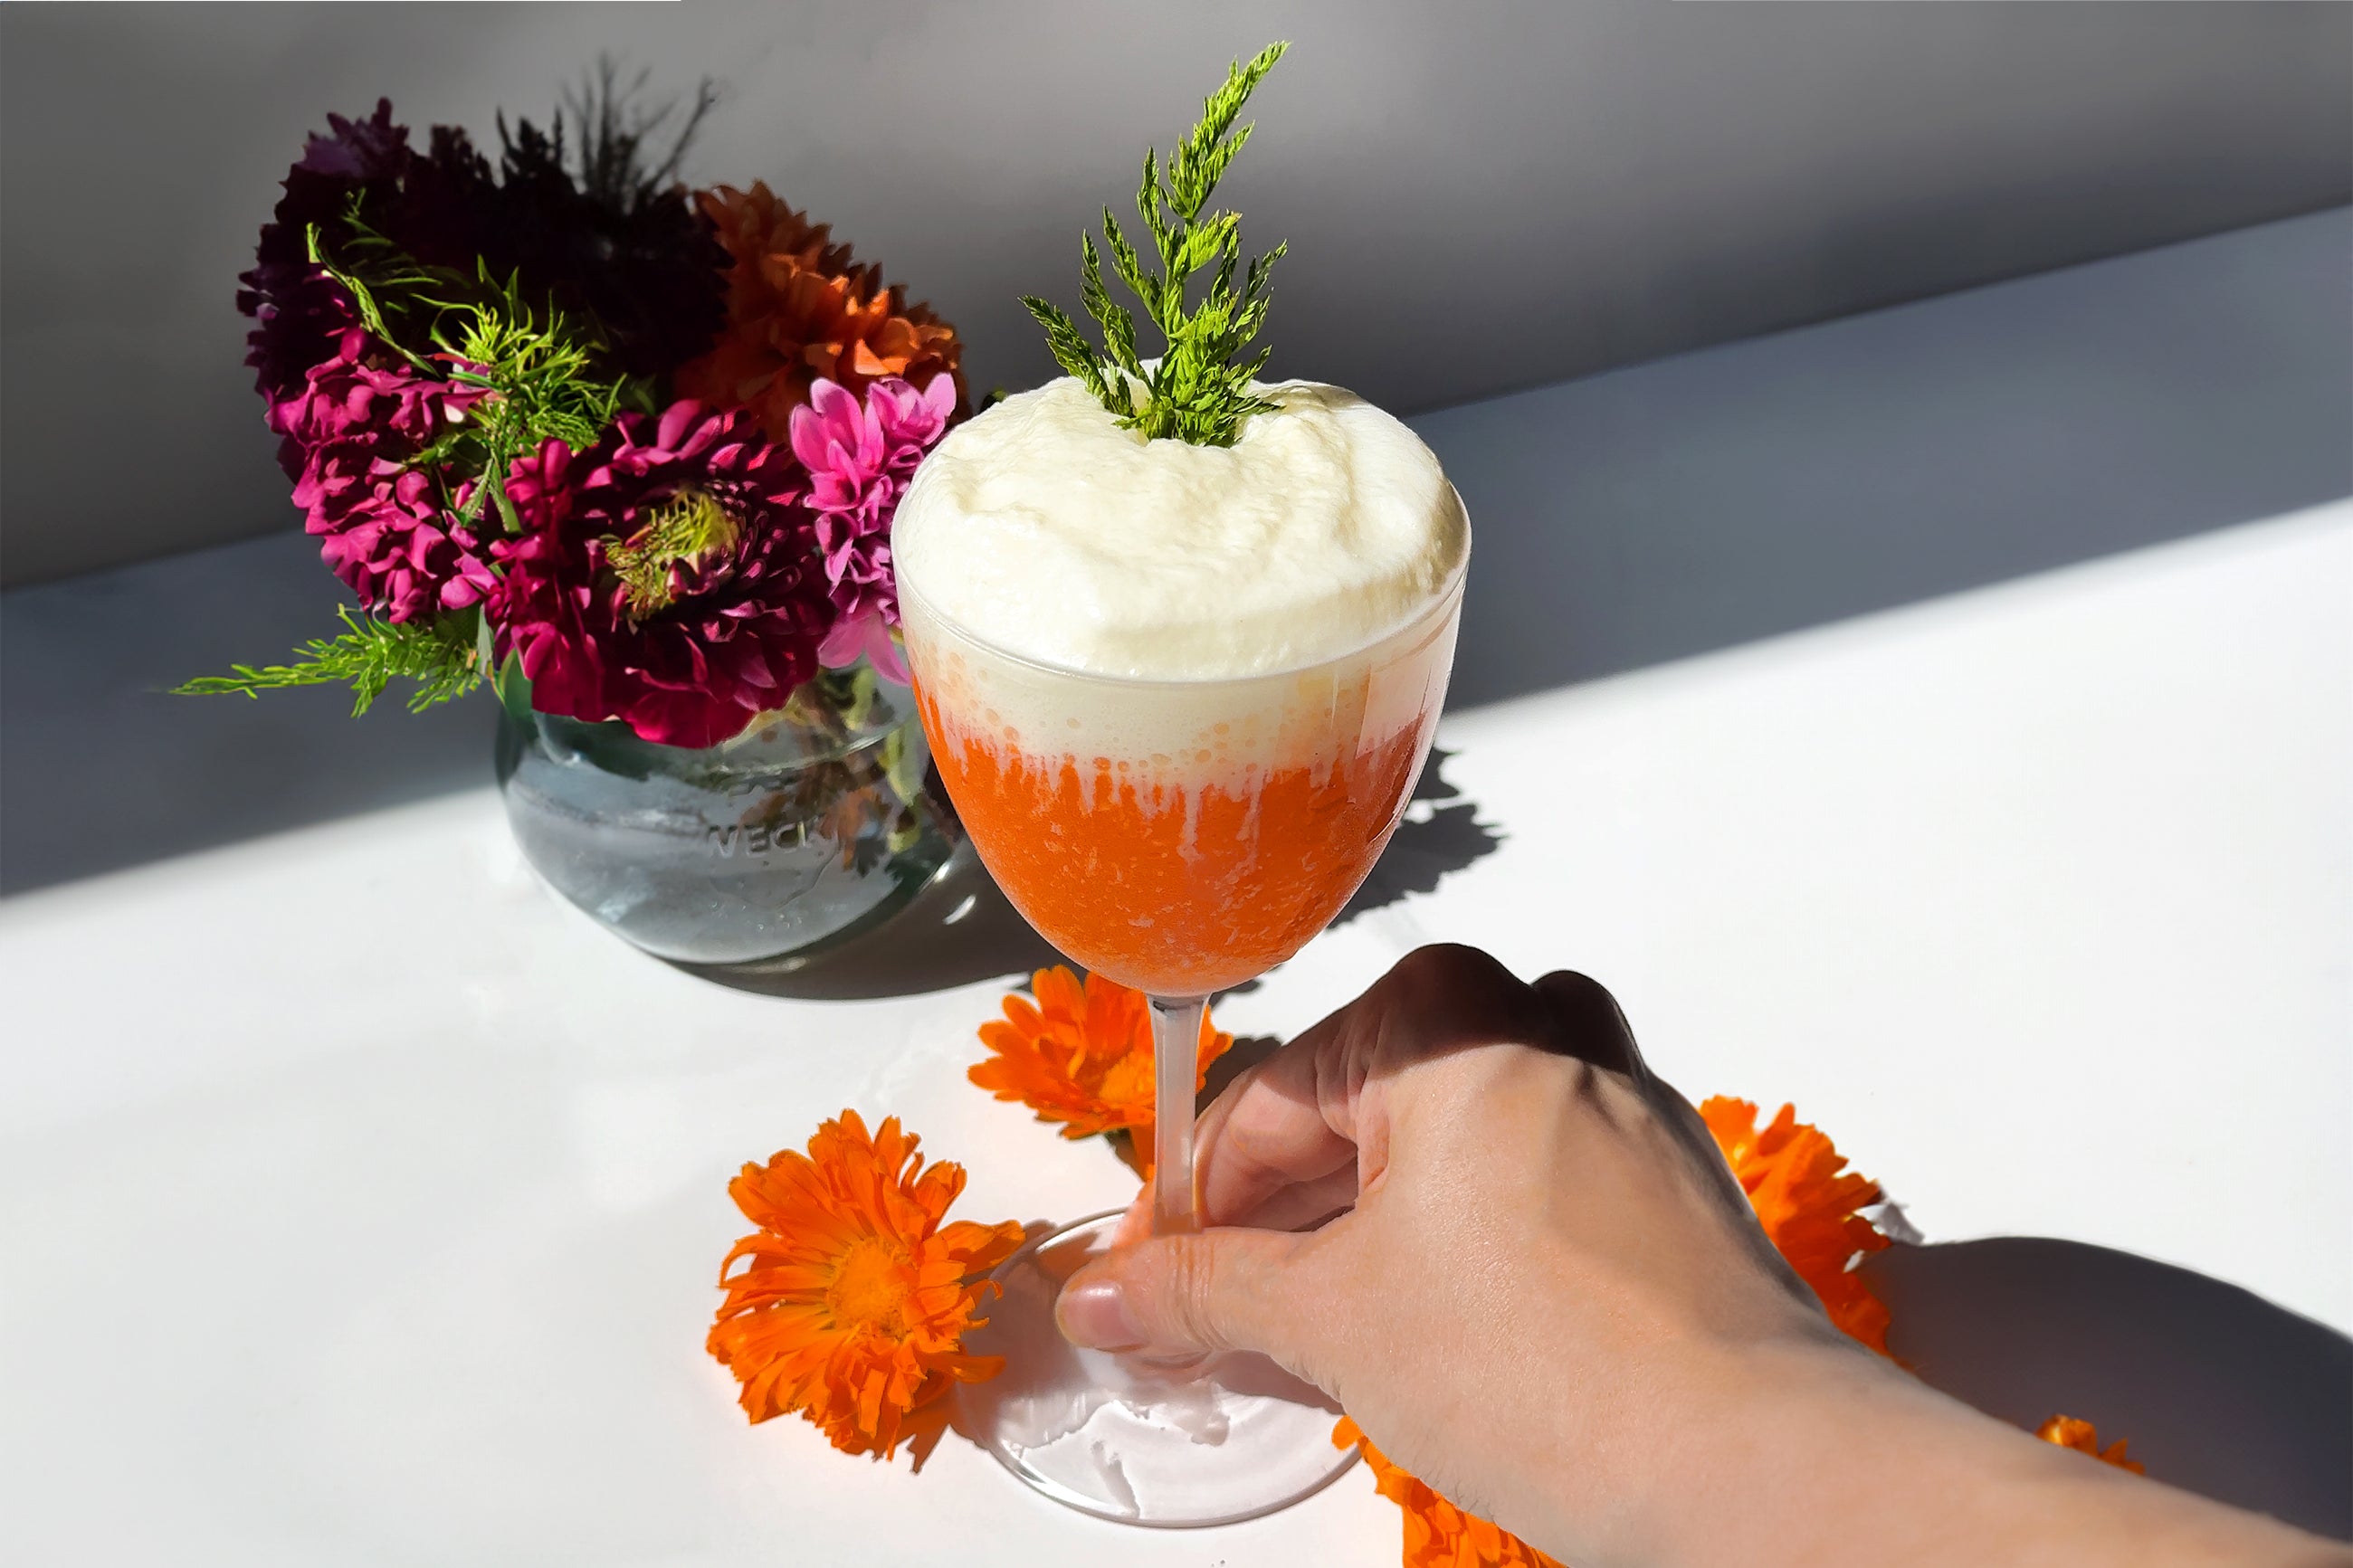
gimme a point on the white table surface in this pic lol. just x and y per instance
(362, 1203)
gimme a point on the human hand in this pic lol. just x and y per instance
(1544, 1295)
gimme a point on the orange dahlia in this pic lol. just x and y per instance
(1081, 1056)
(1791, 1173)
(1437, 1533)
(2084, 1438)
(799, 308)
(853, 1308)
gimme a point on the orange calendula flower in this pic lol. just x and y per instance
(853, 1308)
(799, 308)
(1792, 1174)
(2084, 1438)
(1437, 1533)
(1081, 1056)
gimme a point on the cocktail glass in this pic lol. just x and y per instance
(1180, 837)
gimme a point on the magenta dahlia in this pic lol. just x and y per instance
(350, 434)
(859, 457)
(662, 577)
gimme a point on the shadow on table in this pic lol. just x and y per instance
(958, 930)
(1439, 834)
(961, 928)
(2217, 1390)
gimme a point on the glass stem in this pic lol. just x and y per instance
(1176, 1074)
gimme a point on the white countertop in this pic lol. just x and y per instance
(362, 1204)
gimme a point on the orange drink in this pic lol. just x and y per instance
(1180, 837)
(1179, 637)
(1179, 695)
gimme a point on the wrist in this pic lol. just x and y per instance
(1789, 1457)
(1824, 1455)
(1746, 1453)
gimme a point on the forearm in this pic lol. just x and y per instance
(1829, 1458)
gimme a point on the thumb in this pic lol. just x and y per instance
(1228, 1288)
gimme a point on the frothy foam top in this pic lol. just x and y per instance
(1048, 531)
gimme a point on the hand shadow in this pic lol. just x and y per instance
(2217, 1391)
(1439, 834)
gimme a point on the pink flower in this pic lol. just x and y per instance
(662, 577)
(859, 458)
(351, 429)
(864, 633)
(391, 545)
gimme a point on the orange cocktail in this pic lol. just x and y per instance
(1180, 837)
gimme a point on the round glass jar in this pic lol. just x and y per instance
(813, 825)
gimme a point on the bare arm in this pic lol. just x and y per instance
(1547, 1298)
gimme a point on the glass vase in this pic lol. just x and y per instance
(815, 824)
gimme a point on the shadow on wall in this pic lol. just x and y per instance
(2215, 1389)
(1739, 492)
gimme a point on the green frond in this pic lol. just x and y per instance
(1070, 349)
(1118, 326)
(1148, 202)
(442, 659)
(1130, 267)
(1195, 393)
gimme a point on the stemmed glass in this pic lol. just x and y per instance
(1180, 837)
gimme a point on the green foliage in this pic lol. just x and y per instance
(542, 380)
(443, 659)
(539, 369)
(1197, 393)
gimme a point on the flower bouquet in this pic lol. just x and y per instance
(628, 454)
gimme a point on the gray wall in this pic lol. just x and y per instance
(1477, 196)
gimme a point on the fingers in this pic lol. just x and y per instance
(1303, 1204)
(1181, 1295)
(1296, 1120)
(1270, 1132)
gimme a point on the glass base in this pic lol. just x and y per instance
(1230, 1439)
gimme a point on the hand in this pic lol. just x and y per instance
(1543, 1294)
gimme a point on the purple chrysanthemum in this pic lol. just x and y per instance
(859, 458)
(662, 577)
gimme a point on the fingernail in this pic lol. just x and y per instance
(1095, 1314)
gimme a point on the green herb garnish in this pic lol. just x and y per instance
(444, 659)
(1197, 393)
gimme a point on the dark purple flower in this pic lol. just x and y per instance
(360, 150)
(637, 260)
(859, 457)
(298, 309)
(662, 577)
(635, 267)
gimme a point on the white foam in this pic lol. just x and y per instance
(1152, 734)
(1045, 530)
